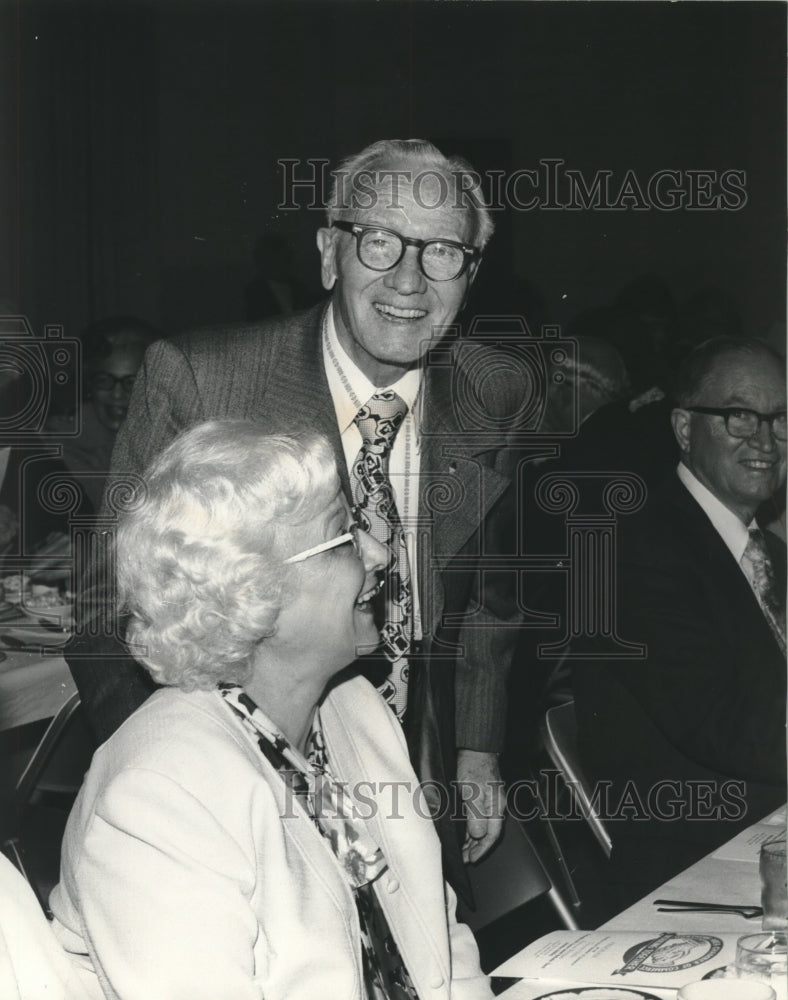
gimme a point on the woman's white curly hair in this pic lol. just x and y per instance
(200, 566)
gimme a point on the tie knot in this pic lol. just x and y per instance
(379, 419)
(756, 546)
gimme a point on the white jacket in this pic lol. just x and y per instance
(189, 873)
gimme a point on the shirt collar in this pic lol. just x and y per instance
(350, 387)
(728, 526)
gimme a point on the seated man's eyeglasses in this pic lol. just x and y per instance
(381, 249)
(741, 423)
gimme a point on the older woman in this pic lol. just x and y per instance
(239, 837)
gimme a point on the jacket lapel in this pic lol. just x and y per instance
(297, 396)
(711, 551)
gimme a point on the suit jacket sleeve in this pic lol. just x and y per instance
(482, 671)
(489, 637)
(166, 399)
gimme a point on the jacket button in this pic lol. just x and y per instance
(392, 885)
(436, 981)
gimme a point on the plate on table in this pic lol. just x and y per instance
(48, 604)
(597, 993)
(54, 614)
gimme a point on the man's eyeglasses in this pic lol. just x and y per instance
(741, 423)
(106, 382)
(381, 249)
(351, 535)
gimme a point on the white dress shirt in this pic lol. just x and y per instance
(350, 390)
(728, 526)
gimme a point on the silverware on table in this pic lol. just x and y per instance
(692, 906)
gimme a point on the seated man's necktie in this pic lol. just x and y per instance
(373, 496)
(758, 567)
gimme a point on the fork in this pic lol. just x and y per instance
(689, 906)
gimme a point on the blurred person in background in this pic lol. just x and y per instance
(112, 352)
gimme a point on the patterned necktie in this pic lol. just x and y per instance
(378, 421)
(758, 567)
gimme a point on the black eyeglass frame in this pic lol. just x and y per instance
(470, 254)
(125, 381)
(727, 411)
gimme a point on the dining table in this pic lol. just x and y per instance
(728, 875)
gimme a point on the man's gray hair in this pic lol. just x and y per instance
(356, 176)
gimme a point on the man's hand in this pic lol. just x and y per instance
(484, 801)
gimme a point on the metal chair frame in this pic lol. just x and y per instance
(28, 783)
(509, 877)
(559, 738)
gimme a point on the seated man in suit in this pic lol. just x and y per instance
(690, 738)
(405, 232)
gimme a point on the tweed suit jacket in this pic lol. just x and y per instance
(706, 704)
(273, 373)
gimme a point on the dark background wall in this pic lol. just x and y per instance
(145, 161)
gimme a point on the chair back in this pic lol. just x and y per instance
(508, 877)
(559, 736)
(43, 798)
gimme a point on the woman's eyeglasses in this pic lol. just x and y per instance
(351, 535)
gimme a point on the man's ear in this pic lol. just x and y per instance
(326, 244)
(681, 421)
(471, 272)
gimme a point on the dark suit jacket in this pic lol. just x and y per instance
(273, 373)
(707, 704)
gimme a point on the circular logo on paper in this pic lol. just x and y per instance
(670, 953)
(598, 993)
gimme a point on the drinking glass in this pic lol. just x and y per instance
(774, 891)
(764, 957)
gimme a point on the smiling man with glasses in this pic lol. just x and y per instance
(404, 236)
(696, 728)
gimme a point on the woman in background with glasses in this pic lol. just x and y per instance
(239, 837)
